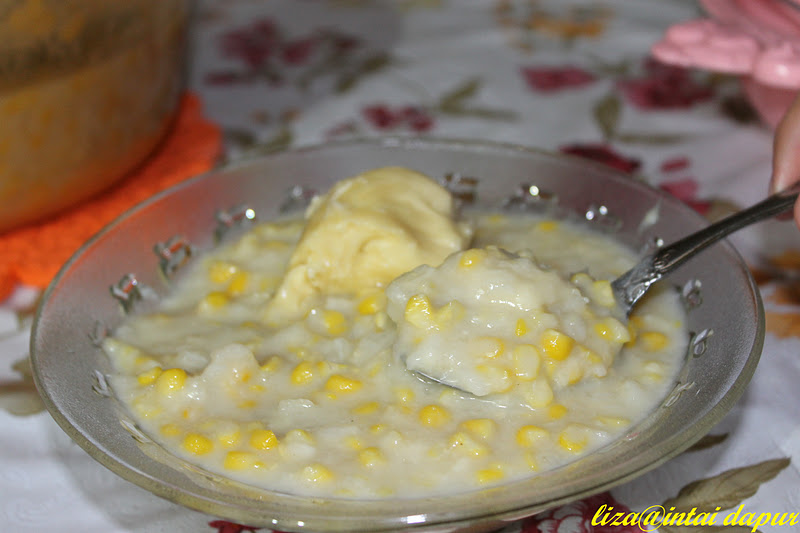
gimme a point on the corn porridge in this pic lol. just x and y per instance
(292, 358)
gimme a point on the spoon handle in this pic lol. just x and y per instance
(632, 285)
(670, 257)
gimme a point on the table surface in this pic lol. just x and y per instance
(558, 75)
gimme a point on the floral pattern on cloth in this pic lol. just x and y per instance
(265, 53)
(224, 526)
(529, 23)
(779, 281)
(579, 517)
(421, 117)
(574, 77)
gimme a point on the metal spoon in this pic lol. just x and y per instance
(632, 285)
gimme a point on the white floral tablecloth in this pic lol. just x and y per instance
(561, 75)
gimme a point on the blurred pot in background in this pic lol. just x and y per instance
(87, 90)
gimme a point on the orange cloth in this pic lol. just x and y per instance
(33, 254)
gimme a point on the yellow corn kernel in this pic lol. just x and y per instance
(593, 357)
(236, 460)
(299, 351)
(221, 271)
(335, 322)
(496, 219)
(484, 428)
(497, 376)
(603, 293)
(381, 321)
(197, 444)
(125, 356)
(366, 408)
(449, 313)
(375, 368)
(580, 279)
(326, 367)
(530, 435)
(263, 439)
(403, 410)
(556, 411)
(490, 347)
(371, 457)
(532, 461)
(547, 225)
(377, 428)
(299, 435)
(556, 345)
(146, 409)
(612, 329)
(472, 257)
(571, 443)
(272, 364)
(654, 370)
(238, 284)
(317, 473)
(246, 404)
(149, 376)
(653, 341)
(575, 374)
(550, 366)
(275, 246)
(526, 361)
(404, 395)
(433, 415)
(613, 421)
(521, 328)
(492, 474)
(339, 383)
(633, 333)
(144, 360)
(539, 394)
(418, 311)
(170, 381)
(170, 430)
(351, 441)
(230, 438)
(449, 395)
(464, 443)
(373, 303)
(635, 324)
(243, 376)
(302, 373)
(214, 300)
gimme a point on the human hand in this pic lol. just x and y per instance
(786, 154)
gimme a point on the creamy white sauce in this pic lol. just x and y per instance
(321, 405)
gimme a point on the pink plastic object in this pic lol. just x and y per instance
(758, 40)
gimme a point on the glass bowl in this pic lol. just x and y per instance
(116, 272)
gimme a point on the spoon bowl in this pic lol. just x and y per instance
(633, 284)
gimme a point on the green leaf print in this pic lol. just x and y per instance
(727, 489)
(606, 113)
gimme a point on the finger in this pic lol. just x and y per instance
(786, 149)
(797, 213)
